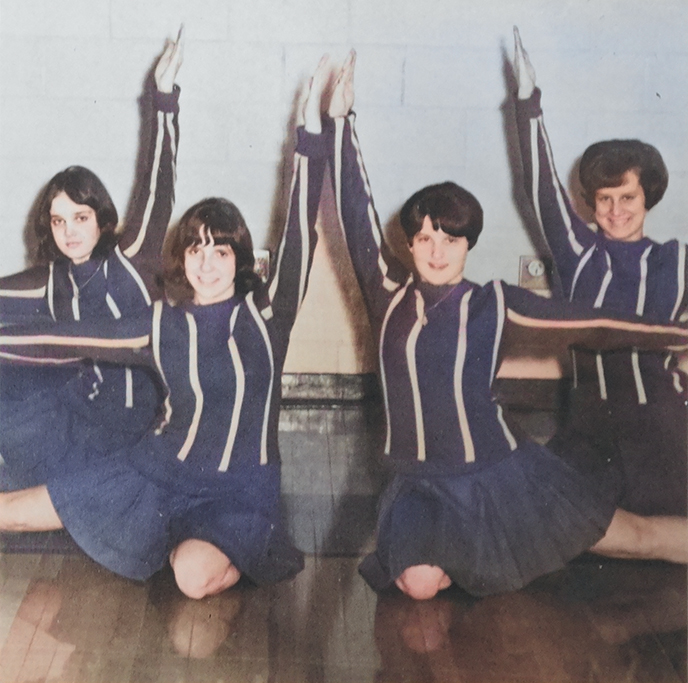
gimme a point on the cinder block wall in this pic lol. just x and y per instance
(431, 97)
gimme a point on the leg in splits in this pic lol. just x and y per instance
(28, 510)
(631, 536)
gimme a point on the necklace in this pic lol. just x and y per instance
(77, 287)
(442, 298)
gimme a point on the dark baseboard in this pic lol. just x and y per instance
(329, 388)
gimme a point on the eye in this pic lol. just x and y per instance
(452, 239)
(56, 221)
(192, 250)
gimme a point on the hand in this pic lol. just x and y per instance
(523, 69)
(342, 99)
(168, 65)
(317, 85)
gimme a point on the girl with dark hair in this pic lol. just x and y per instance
(628, 421)
(203, 488)
(471, 501)
(52, 419)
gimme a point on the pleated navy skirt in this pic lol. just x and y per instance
(493, 530)
(129, 523)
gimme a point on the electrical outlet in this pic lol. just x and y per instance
(532, 273)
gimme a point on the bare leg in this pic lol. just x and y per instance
(28, 510)
(631, 536)
(201, 569)
(423, 581)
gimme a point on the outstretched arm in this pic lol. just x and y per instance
(23, 295)
(144, 232)
(122, 341)
(567, 234)
(378, 271)
(545, 327)
(288, 280)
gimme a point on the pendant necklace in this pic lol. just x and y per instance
(77, 287)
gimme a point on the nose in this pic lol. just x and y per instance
(206, 265)
(437, 250)
(70, 228)
(615, 208)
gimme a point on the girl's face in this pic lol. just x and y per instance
(75, 228)
(210, 269)
(439, 257)
(620, 211)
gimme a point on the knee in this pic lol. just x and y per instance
(422, 582)
(198, 579)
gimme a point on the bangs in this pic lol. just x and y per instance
(197, 234)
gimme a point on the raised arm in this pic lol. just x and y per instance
(153, 199)
(378, 271)
(566, 233)
(289, 274)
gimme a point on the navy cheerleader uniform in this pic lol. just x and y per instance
(211, 471)
(627, 421)
(51, 419)
(469, 495)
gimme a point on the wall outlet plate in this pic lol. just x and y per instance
(532, 273)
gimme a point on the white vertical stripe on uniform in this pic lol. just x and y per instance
(413, 375)
(600, 376)
(642, 286)
(468, 447)
(383, 377)
(133, 249)
(640, 310)
(499, 292)
(238, 395)
(253, 310)
(51, 289)
(605, 283)
(135, 275)
(639, 387)
(195, 386)
(75, 296)
(505, 428)
(387, 283)
(680, 278)
(155, 344)
(272, 290)
(303, 227)
(581, 264)
(169, 124)
(575, 244)
(114, 309)
(128, 388)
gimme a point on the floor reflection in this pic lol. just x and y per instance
(64, 619)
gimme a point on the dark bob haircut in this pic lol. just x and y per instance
(82, 187)
(605, 163)
(226, 225)
(450, 208)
